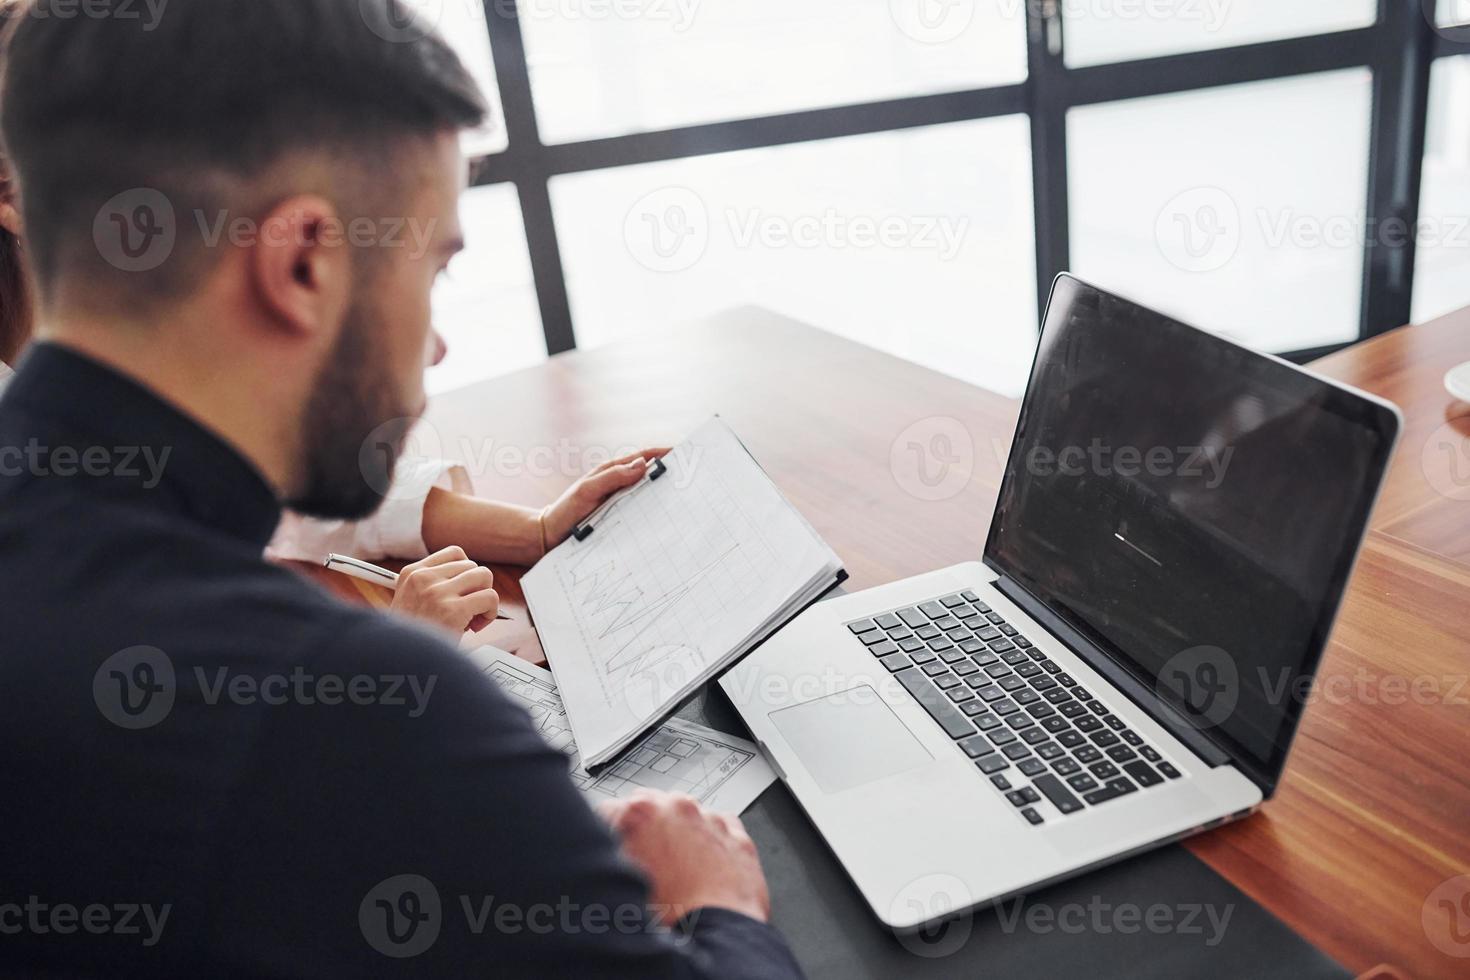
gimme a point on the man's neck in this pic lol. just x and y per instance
(250, 419)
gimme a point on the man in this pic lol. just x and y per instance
(427, 508)
(211, 770)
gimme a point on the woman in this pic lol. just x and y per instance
(428, 508)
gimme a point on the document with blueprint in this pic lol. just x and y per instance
(723, 772)
(674, 581)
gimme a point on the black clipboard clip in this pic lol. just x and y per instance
(584, 530)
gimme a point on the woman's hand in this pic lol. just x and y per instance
(449, 590)
(588, 493)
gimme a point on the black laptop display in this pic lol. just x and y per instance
(1191, 508)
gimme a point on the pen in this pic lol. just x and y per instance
(368, 572)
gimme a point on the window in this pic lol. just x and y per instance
(1442, 263)
(485, 306)
(1231, 162)
(1101, 31)
(918, 243)
(606, 69)
(1200, 204)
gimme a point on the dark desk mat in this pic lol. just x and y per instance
(1054, 933)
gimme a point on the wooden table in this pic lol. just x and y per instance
(899, 467)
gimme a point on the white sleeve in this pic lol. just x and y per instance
(395, 531)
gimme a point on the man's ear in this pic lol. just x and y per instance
(301, 265)
(10, 218)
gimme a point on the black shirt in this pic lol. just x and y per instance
(212, 768)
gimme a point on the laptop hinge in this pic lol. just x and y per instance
(1137, 691)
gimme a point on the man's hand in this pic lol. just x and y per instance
(694, 858)
(449, 590)
(587, 494)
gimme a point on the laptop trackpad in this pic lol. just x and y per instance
(851, 738)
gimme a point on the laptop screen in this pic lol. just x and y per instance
(1191, 508)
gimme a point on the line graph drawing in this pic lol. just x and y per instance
(646, 587)
(675, 579)
(618, 609)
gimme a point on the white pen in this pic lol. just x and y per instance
(367, 571)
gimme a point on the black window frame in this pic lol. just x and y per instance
(1398, 48)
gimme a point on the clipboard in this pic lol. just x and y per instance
(584, 530)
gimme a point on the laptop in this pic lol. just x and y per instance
(1176, 524)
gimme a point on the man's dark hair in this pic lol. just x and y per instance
(198, 102)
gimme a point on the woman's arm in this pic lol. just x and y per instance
(489, 531)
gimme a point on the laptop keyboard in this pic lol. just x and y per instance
(1029, 727)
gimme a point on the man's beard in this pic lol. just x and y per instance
(346, 476)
